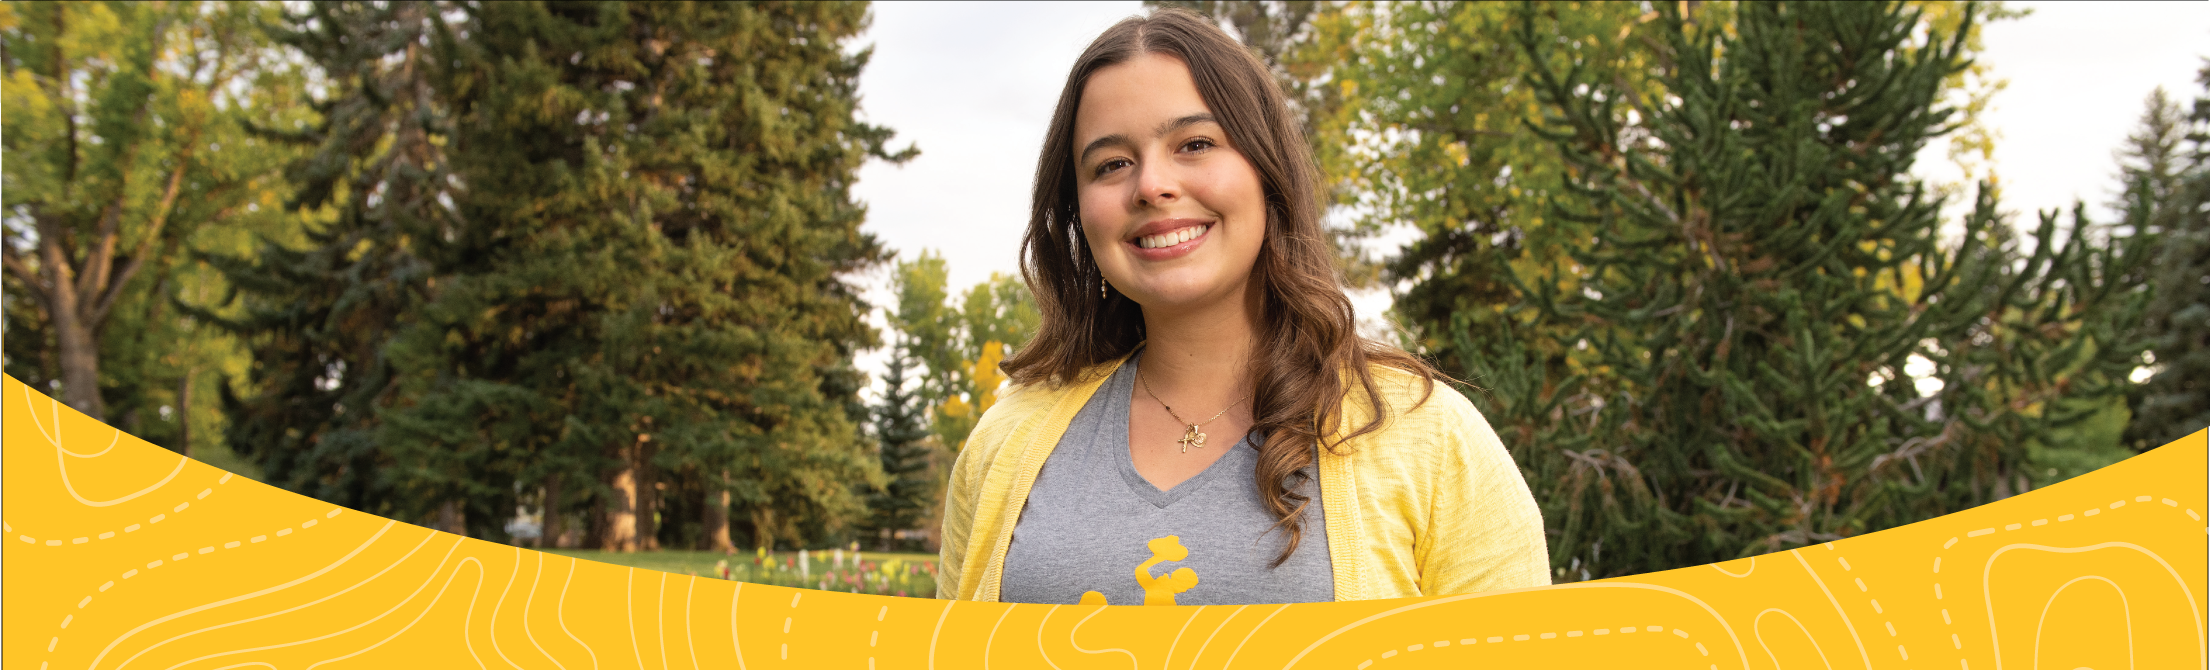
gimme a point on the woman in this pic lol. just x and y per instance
(1197, 421)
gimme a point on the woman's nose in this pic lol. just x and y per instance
(1157, 183)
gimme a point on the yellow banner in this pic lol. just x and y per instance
(120, 554)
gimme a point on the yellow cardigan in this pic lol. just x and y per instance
(1428, 504)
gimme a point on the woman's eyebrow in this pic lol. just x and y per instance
(1183, 122)
(1100, 143)
(1164, 128)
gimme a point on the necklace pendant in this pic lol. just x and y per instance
(1191, 438)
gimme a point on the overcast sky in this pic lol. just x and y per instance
(2079, 73)
(973, 84)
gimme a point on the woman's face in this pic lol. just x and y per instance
(1174, 215)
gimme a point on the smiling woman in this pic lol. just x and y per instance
(1197, 394)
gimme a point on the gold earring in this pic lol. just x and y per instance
(1101, 285)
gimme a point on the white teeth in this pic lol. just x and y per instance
(1171, 239)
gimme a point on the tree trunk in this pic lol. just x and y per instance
(77, 295)
(184, 412)
(763, 528)
(554, 525)
(451, 519)
(596, 526)
(80, 360)
(647, 496)
(621, 510)
(717, 519)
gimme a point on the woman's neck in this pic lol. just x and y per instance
(1200, 357)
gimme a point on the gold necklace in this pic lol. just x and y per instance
(1190, 436)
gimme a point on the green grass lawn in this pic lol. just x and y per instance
(887, 573)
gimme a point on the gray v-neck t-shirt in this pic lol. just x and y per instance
(1092, 524)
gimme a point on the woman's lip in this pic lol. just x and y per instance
(1167, 226)
(1171, 251)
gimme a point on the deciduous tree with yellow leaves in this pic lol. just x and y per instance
(130, 145)
(961, 346)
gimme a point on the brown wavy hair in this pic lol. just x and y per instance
(1308, 350)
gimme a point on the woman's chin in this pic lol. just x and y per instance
(1179, 296)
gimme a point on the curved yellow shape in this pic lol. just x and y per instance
(1040, 636)
(1247, 636)
(2044, 619)
(1745, 573)
(1829, 593)
(1169, 662)
(425, 540)
(262, 578)
(1757, 627)
(449, 577)
(1216, 633)
(95, 664)
(526, 605)
(63, 454)
(1078, 646)
(562, 616)
(1444, 600)
(2193, 604)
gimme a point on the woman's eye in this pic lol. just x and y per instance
(1199, 144)
(1110, 165)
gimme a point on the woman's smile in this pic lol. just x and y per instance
(1174, 213)
(1192, 320)
(1169, 238)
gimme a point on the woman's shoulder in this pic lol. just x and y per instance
(1014, 404)
(1426, 419)
(1018, 403)
(1414, 401)
(1019, 399)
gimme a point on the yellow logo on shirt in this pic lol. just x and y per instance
(1157, 590)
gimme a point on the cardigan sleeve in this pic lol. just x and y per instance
(1484, 531)
(959, 517)
(964, 490)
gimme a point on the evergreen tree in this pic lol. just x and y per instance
(651, 287)
(1765, 253)
(2167, 177)
(901, 436)
(317, 311)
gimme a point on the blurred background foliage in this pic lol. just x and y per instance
(587, 274)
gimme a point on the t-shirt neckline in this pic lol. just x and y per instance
(1114, 432)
